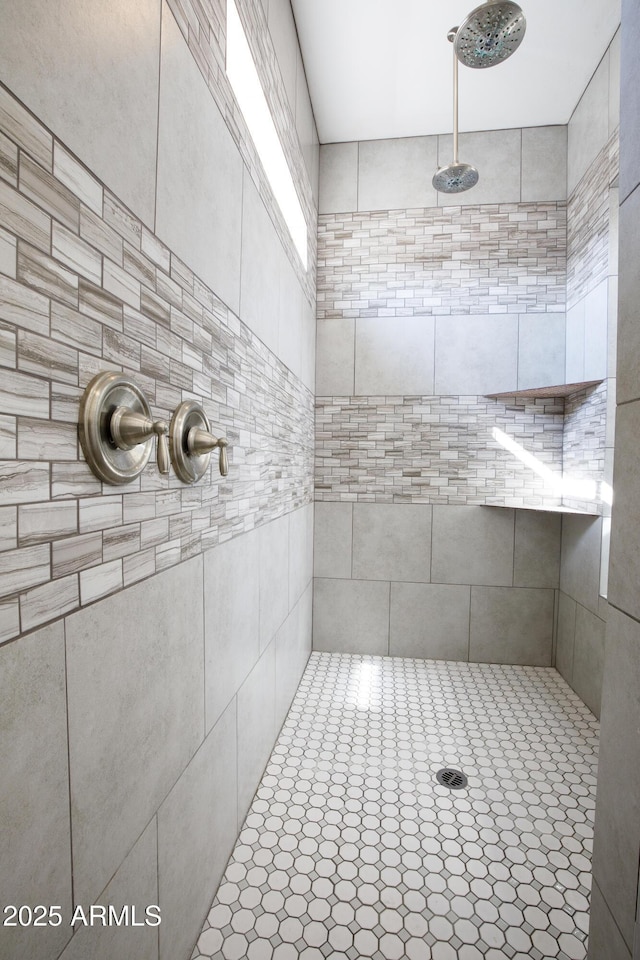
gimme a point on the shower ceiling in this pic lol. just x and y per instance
(381, 68)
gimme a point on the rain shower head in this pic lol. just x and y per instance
(455, 178)
(490, 34)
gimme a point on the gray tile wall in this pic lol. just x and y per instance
(614, 928)
(135, 735)
(592, 268)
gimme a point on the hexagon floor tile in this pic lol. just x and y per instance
(352, 849)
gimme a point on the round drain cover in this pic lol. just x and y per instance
(454, 779)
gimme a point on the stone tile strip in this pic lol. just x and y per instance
(95, 290)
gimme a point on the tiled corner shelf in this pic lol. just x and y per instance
(561, 391)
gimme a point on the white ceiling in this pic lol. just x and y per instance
(383, 68)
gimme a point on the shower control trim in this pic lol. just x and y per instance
(191, 443)
(116, 429)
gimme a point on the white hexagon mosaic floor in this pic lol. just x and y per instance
(352, 849)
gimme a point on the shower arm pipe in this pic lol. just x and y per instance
(451, 37)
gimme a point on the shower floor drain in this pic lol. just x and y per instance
(454, 779)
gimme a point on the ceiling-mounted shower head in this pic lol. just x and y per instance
(490, 34)
(456, 177)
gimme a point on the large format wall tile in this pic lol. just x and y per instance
(476, 355)
(338, 177)
(629, 85)
(197, 825)
(136, 713)
(394, 357)
(90, 73)
(34, 812)
(617, 824)
(335, 358)
(394, 174)
(135, 884)
(537, 549)
(472, 545)
(544, 163)
(605, 939)
(274, 577)
(256, 726)
(351, 616)
(511, 626)
(231, 619)
(300, 552)
(589, 125)
(588, 658)
(260, 268)
(496, 154)
(332, 551)
(199, 172)
(628, 368)
(580, 561)
(566, 635)
(293, 646)
(392, 541)
(429, 620)
(541, 350)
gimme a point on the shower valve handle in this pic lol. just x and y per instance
(128, 429)
(200, 442)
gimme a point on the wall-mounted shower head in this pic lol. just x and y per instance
(490, 34)
(456, 177)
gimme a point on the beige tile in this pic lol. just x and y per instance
(351, 616)
(34, 815)
(49, 602)
(76, 178)
(197, 828)
(25, 307)
(617, 822)
(24, 482)
(472, 545)
(511, 625)
(332, 540)
(392, 541)
(23, 218)
(24, 568)
(24, 129)
(429, 620)
(232, 619)
(152, 630)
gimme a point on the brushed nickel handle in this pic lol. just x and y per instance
(191, 443)
(200, 442)
(128, 429)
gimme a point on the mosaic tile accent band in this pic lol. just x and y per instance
(584, 442)
(85, 287)
(203, 25)
(588, 223)
(352, 849)
(437, 450)
(483, 258)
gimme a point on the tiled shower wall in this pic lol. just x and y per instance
(427, 303)
(153, 634)
(614, 930)
(592, 294)
(423, 308)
